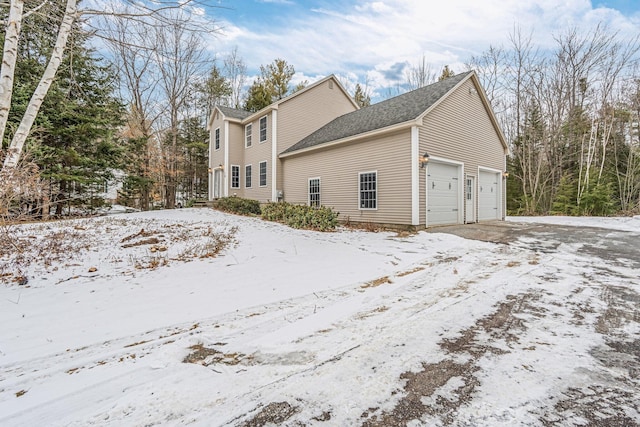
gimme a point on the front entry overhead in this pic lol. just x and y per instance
(489, 196)
(443, 194)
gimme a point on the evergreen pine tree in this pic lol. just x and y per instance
(73, 140)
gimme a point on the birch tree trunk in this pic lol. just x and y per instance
(9, 57)
(17, 143)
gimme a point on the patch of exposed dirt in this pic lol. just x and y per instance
(502, 325)
(377, 282)
(27, 249)
(613, 401)
(273, 413)
(408, 272)
(623, 307)
(595, 406)
(439, 389)
(425, 383)
(204, 356)
(149, 241)
(325, 416)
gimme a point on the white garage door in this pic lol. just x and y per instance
(488, 196)
(443, 195)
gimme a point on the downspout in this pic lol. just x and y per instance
(415, 176)
(226, 159)
(503, 202)
(274, 156)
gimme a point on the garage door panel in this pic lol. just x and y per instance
(442, 194)
(488, 196)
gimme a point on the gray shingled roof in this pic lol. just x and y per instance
(234, 113)
(399, 109)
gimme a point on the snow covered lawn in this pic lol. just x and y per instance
(192, 316)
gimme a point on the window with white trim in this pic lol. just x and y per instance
(217, 138)
(368, 190)
(263, 129)
(247, 176)
(247, 135)
(235, 176)
(263, 174)
(314, 192)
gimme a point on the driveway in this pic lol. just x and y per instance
(607, 266)
(619, 248)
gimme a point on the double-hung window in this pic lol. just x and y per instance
(247, 135)
(247, 176)
(263, 174)
(263, 129)
(217, 138)
(368, 190)
(314, 192)
(235, 176)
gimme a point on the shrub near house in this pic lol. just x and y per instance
(301, 216)
(295, 216)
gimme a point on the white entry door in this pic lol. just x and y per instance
(443, 194)
(217, 183)
(488, 196)
(470, 199)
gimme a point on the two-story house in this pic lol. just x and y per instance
(245, 147)
(432, 156)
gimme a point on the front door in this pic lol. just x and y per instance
(217, 183)
(470, 199)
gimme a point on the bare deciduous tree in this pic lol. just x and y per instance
(180, 58)
(128, 41)
(420, 74)
(139, 11)
(235, 71)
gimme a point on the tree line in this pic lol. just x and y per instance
(138, 108)
(571, 114)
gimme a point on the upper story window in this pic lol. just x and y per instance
(217, 138)
(314, 192)
(247, 135)
(235, 176)
(263, 129)
(368, 194)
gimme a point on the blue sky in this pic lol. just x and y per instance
(373, 42)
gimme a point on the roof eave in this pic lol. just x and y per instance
(210, 121)
(492, 116)
(375, 132)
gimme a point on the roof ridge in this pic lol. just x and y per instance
(393, 111)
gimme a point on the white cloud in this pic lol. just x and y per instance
(376, 6)
(367, 38)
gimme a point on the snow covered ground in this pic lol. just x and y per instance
(138, 320)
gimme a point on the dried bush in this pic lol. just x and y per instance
(20, 190)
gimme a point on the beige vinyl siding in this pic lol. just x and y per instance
(304, 114)
(236, 156)
(258, 152)
(460, 129)
(216, 157)
(338, 169)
